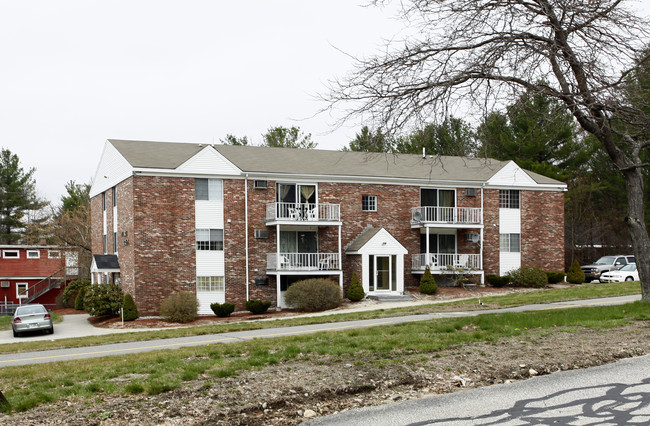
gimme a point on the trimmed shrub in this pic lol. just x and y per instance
(258, 306)
(222, 310)
(103, 299)
(70, 292)
(529, 276)
(79, 300)
(129, 310)
(497, 281)
(428, 283)
(555, 277)
(315, 294)
(181, 307)
(355, 291)
(575, 275)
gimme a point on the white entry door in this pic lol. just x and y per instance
(383, 273)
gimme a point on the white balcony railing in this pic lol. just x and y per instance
(446, 261)
(302, 261)
(303, 212)
(454, 215)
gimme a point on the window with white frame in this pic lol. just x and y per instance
(209, 239)
(209, 189)
(509, 198)
(510, 243)
(369, 203)
(11, 254)
(210, 284)
(54, 254)
(21, 290)
(33, 254)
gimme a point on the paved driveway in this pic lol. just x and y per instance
(76, 325)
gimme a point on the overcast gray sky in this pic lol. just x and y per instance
(77, 72)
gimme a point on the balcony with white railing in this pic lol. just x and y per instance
(446, 262)
(302, 262)
(302, 213)
(458, 216)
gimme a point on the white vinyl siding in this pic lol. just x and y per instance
(210, 264)
(509, 223)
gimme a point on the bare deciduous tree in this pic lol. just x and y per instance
(584, 53)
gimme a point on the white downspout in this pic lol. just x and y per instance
(340, 264)
(246, 233)
(481, 236)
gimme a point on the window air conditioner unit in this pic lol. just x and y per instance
(473, 237)
(4, 284)
(261, 233)
(260, 184)
(470, 192)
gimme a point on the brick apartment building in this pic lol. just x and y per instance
(234, 223)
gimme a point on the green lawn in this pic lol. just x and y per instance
(585, 291)
(156, 372)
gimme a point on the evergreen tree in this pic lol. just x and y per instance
(17, 197)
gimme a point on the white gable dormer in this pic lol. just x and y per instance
(209, 161)
(511, 175)
(113, 168)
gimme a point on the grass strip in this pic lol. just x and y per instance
(152, 373)
(585, 291)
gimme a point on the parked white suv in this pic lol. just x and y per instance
(606, 264)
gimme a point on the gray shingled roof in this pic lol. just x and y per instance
(361, 239)
(156, 155)
(106, 261)
(258, 159)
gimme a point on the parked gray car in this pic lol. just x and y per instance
(606, 264)
(31, 318)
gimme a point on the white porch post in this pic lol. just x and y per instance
(277, 265)
(340, 263)
(426, 260)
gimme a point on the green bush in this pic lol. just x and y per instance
(71, 290)
(258, 306)
(181, 307)
(529, 276)
(129, 310)
(497, 281)
(315, 294)
(575, 275)
(222, 310)
(103, 299)
(355, 291)
(428, 283)
(79, 300)
(555, 277)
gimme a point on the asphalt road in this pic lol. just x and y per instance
(613, 394)
(26, 358)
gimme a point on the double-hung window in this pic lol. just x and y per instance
(510, 243)
(209, 189)
(509, 198)
(209, 239)
(369, 203)
(210, 284)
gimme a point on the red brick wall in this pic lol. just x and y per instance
(163, 239)
(491, 231)
(542, 229)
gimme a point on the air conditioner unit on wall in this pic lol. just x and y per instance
(260, 184)
(470, 192)
(261, 233)
(473, 237)
(4, 284)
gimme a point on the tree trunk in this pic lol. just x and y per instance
(635, 221)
